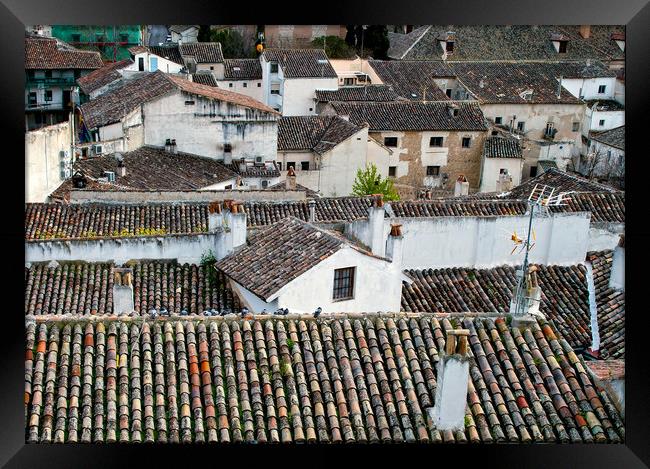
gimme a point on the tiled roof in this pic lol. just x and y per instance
(607, 369)
(181, 28)
(60, 221)
(502, 147)
(282, 186)
(358, 93)
(301, 63)
(412, 116)
(170, 52)
(269, 169)
(507, 82)
(300, 380)
(45, 53)
(400, 44)
(562, 182)
(203, 52)
(87, 289)
(242, 69)
(278, 255)
(313, 133)
(112, 106)
(604, 207)
(604, 105)
(613, 137)
(204, 79)
(102, 76)
(611, 306)
(413, 79)
(458, 208)
(565, 298)
(545, 165)
(153, 169)
(512, 42)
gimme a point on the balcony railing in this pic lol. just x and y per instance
(32, 82)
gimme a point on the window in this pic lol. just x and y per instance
(562, 49)
(601, 122)
(211, 67)
(304, 165)
(533, 171)
(348, 81)
(259, 85)
(609, 154)
(274, 68)
(435, 142)
(48, 73)
(265, 184)
(100, 38)
(77, 73)
(433, 170)
(141, 64)
(229, 186)
(311, 109)
(448, 92)
(227, 148)
(343, 284)
(153, 64)
(494, 132)
(230, 86)
(245, 85)
(467, 141)
(390, 141)
(601, 89)
(275, 88)
(521, 126)
(576, 126)
(549, 129)
(279, 165)
(291, 164)
(31, 99)
(450, 46)
(124, 37)
(498, 120)
(392, 171)
(503, 171)
(48, 95)
(76, 38)
(189, 103)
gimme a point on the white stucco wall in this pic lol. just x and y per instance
(164, 65)
(252, 88)
(612, 119)
(492, 168)
(451, 394)
(380, 156)
(204, 127)
(587, 88)
(45, 160)
(298, 94)
(604, 236)
(617, 275)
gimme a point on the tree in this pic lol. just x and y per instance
(335, 47)
(369, 182)
(375, 41)
(232, 44)
(204, 33)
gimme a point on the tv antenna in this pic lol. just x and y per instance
(527, 291)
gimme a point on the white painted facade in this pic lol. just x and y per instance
(252, 88)
(590, 88)
(148, 62)
(604, 236)
(601, 120)
(492, 169)
(48, 160)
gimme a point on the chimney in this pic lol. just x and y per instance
(291, 179)
(504, 183)
(452, 109)
(227, 155)
(617, 274)
(242, 163)
(173, 146)
(121, 169)
(585, 31)
(215, 216)
(123, 302)
(312, 210)
(376, 225)
(453, 377)
(462, 186)
(168, 145)
(235, 222)
(394, 245)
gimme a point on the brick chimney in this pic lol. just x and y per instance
(453, 377)
(291, 179)
(312, 210)
(123, 302)
(617, 273)
(585, 31)
(394, 245)
(376, 225)
(235, 222)
(215, 216)
(462, 186)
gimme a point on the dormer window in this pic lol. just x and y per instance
(274, 67)
(449, 47)
(560, 42)
(562, 48)
(619, 38)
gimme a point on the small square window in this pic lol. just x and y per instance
(392, 171)
(211, 67)
(245, 85)
(435, 142)
(343, 284)
(277, 91)
(227, 148)
(48, 73)
(291, 164)
(390, 141)
(562, 49)
(503, 171)
(533, 171)
(76, 38)
(279, 165)
(498, 120)
(304, 165)
(189, 103)
(448, 92)
(31, 100)
(259, 85)
(576, 126)
(433, 170)
(521, 126)
(228, 187)
(601, 89)
(230, 86)
(48, 95)
(601, 122)
(467, 142)
(311, 109)
(274, 68)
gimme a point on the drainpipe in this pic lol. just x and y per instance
(595, 333)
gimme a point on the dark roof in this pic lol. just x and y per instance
(507, 82)
(458, 208)
(207, 79)
(611, 306)
(511, 42)
(604, 105)
(502, 147)
(66, 221)
(113, 105)
(347, 380)
(401, 43)
(412, 116)
(278, 255)
(170, 52)
(102, 76)
(613, 137)
(413, 79)
(254, 170)
(313, 133)
(301, 63)
(242, 69)
(358, 93)
(203, 52)
(45, 53)
(545, 165)
(562, 182)
(154, 169)
(87, 288)
(282, 186)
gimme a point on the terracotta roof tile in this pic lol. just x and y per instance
(207, 79)
(242, 69)
(414, 79)
(301, 63)
(102, 76)
(43, 53)
(358, 93)
(313, 133)
(202, 52)
(502, 147)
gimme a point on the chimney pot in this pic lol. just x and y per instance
(312, 210)
(585, 31)
(396, 229)
(378, 200)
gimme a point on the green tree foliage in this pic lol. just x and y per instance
(373, 41)
(232, 44)
(369, 181)
(335, 47)
(204, 33)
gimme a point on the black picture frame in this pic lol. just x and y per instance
(14, 14)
